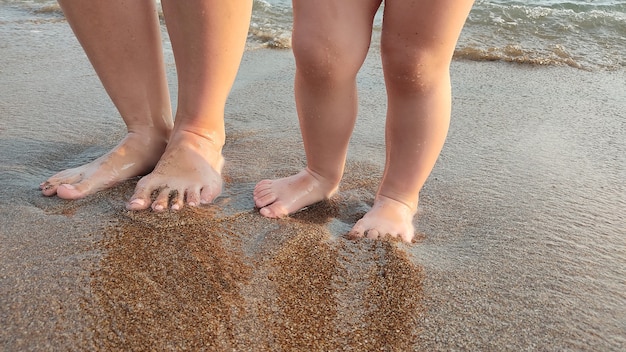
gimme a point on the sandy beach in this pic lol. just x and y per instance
(521, 225)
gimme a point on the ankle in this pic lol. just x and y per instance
(150, 133)
(329, 184)
(216, 136)
(409, 206)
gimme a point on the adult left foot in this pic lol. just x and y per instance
(387, 218)
(135, 155)
(189, 172)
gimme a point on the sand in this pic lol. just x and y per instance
(493, 267)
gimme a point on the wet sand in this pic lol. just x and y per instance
(520, 242)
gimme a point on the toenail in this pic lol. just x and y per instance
(139, 202)
(158, 207)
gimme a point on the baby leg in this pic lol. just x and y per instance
(418, 42)
(330, 42)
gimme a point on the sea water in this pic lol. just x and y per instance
(581, 33)
(585, 34)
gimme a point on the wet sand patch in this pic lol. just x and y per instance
(197, 279)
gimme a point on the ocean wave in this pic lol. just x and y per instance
(271, 23)
(517, 54)
(588, 35)
(578, 34)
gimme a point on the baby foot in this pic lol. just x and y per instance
(284, 196)
(388, 217)
(189, 172)
(135, 155)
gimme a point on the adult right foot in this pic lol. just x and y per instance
(135, 155)
(189, 172)
(284, 196)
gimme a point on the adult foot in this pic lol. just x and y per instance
(387, 218)
(135, 155)
(188, 172)
(284, 196)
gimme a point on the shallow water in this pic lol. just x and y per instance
(521, 225)
(537, 209)
(523, 218)
(585, 34)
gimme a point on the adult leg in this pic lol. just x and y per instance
(208, 39)
(418, 42)
(123, 42)
(330, 42)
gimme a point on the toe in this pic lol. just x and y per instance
(73, 191)
(137, 204)
(261, 193)
(70, 176)
(208, 194)
(162, 200)
(373, 234)
(358, 230)
(51, 185)
(264, 200)
(262, 186)
(273, 211)
(141, 199)
(177, 200)
(48, 189)
(407, 237)
(193, 197)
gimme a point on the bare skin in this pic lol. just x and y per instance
(330, 42)
(135, 155)
(280, 193)
(188, 172)
(208, 40)
(132, 72)
(122, 40)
